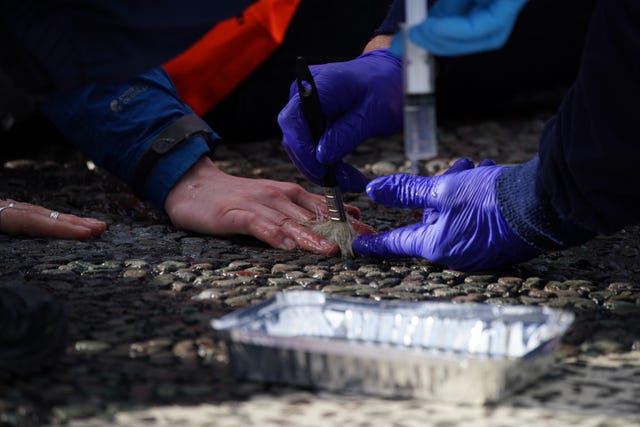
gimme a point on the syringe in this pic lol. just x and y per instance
(420, 127)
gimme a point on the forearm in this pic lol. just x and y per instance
(115, 124)
(378, 42)
(586, 180)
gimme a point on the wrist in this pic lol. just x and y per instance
(394, 63)
(172, 167)
(382, 41)
(526, 207)
(203, 169)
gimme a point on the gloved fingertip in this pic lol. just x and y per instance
(376, 183)
(397, 45)
(460, 165)
(416, 34)
(391, 190)
(486, 162)
(351, 180)
(363, 245)
(397, 180)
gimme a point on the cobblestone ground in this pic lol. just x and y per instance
(140, 298)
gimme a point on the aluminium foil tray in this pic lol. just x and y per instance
(471, 353)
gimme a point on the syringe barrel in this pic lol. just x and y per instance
(417, 66)
(420, 126)
(420, 129)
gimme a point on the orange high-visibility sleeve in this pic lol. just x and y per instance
(210, 69)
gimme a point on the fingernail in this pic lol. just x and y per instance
(93, 220)
(288, 244)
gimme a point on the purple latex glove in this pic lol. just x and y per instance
(360, 99)
(462, 226)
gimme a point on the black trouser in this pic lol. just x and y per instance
(535, 67)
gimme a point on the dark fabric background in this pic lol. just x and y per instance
(534, 68)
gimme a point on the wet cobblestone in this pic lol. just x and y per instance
(140, 298)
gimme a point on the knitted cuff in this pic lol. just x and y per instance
(526, 207)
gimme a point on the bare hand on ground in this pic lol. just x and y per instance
(18, 218)
(207, 200)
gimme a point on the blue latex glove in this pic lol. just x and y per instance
(462, 226)
(461, 27)
(360, 99)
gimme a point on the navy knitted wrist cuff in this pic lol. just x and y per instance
(531, 214)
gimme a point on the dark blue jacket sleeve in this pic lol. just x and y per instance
(586, 179)
(96, 41)
(391, 23)
(114, 124)
(589, 152)
(395, 16)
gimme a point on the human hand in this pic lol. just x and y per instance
(206, 200)
(462, 226)
(17, 218)
(360, 99)
(461, 27)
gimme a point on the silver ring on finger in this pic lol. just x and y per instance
(54, 215)
(10, 205)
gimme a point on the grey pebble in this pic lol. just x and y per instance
(163, 280)
(136, 263)
(446, 292)
(623, 308)
(279, 282)
(170, 266)
(134, 274)
(147, 348)
(91, 346)
(209, 294)
(180, 286)
(384, 168)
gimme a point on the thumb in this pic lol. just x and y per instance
(351, 180)
(460, 165)
(342, 137)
